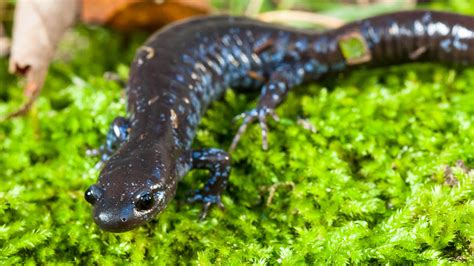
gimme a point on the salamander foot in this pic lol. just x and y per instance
(218, 163)
(259, 113)
(207, 200)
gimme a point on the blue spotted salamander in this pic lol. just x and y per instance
(182, 68)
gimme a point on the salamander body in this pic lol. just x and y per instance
(184, 67)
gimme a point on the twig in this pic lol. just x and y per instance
(253, 8)
(273, 188)
(26, 106)
(306, 124)
(284, 16)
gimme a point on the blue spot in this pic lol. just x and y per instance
(446, 45)
(301, 44)
(157, 173)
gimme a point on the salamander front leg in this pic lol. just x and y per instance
(273, 93)
(218, 163)
(117, 135)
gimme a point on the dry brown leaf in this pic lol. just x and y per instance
(38, 27)
(145, 14)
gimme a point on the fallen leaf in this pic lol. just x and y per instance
(38, 27)
(144, 14)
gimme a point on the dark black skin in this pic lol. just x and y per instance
(184, 67)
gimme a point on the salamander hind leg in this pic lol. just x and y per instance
(218, 163)
(272, 95)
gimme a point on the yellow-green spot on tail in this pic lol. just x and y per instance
(354, 48)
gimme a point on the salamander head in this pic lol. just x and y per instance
(125, 198)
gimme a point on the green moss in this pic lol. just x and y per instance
(368, 186)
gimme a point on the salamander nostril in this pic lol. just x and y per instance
(123, 219)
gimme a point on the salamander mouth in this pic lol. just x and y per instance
(117, 221)
(115, 228)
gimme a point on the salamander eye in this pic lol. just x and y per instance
(93, 193)
(145, 201)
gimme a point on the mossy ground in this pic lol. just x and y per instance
(368, 186)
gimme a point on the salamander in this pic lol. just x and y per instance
(184, 67)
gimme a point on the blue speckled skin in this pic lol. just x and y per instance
(182, 68)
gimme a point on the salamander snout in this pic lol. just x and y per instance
(110, 220)
(109, 214)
